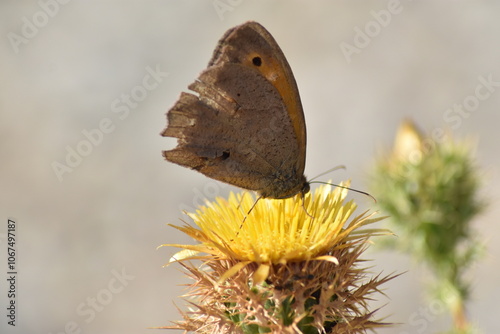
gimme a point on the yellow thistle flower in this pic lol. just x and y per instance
(281, 266)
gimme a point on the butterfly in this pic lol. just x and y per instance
(244, 123)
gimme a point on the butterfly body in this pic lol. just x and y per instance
(245, 126)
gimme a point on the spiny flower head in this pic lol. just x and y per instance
(282, 266)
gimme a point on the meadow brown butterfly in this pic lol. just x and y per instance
(245, 126)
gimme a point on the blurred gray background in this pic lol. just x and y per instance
(67, 69)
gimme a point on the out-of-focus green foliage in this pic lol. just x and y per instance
(429, 188)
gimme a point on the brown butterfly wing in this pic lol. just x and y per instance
(243, 45)
(238, 129)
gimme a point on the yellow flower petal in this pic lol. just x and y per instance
(183, 255)
(261, 274)
(233, 270)
(332, 259)
(276, 231)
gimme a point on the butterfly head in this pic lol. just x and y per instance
(286, 188)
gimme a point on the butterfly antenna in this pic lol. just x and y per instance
(351, 189)
(328, 171)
